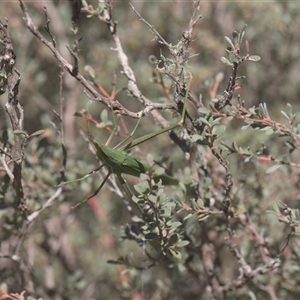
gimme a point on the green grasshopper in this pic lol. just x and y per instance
(119, 162)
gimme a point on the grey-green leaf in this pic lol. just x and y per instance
(39, 132)
(254, 58)
(272, 169)
(219, 130)
(229, 41)
(182, 244)
(225, 61)
(203, 110)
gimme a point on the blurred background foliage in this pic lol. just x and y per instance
(69, 249)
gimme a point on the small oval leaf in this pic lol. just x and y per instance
(182, 243)
(175, 254)
(219, 130)
(103, 115)
(196, 137)
(203, 110)
(159, 171)
(229, 41)
(219, 77)
(254, 58)
(225, 61)
(272, 169)
(39, 132)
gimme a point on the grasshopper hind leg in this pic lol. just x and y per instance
(96, 192)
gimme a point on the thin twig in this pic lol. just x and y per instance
(47, 204)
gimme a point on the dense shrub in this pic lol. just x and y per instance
(214, 216)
